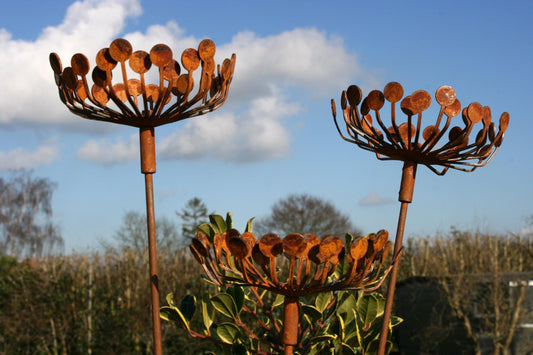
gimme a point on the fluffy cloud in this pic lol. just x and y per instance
(253, 125)
(23, 159)
(373, 199)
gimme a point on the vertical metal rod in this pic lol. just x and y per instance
(290, 324)
(405, 197)
(148, 168)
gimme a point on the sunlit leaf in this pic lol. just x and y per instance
(173, 314)
(225, 304)
(249, 225)
(208, 311)
(237, 293)
(322, 300)
(228, 332)
(218, 223)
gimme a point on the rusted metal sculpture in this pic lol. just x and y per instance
(232, 258)
(134, 103)
(414, 144)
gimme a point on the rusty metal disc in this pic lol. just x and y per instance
(420, 100)
(190, 59)
(160, 55)
(504, 121)
(487, 116)
(404, 131)
(80, 91)
(474, 112)
(182, 84)
(209, 65)
(140, 62)
(393, 91)
(375, 100)
(55, 63)
(445, 95)
(407, 106)
(430, 131)
(80, 64)
(206, 49)
(354, 95)
(69, 78)
(99, 77)
(120, 50)
(134, 87)
(294, 244)
(454, 109)
(171, 71)
(152, 92)
(358, 248)
(227, 69)
(104, 60)
(455, 133)
(99, 94)
(120, 92)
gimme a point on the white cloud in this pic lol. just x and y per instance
(23, 159)
(253, 125)
(373, 199)
(104, 152)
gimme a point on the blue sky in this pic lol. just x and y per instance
(275, 135)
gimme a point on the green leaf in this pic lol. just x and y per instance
(311, 312)
(394, 321)
(359, 324)
(188, 306)
(170, 300)
(322, 300)
(173, 314)
(367, 306)
(341, 327)
(225, 304)
(278, 301)
(249, 225)
(229, 221)
(228, 332)
(218, 223)
(346, 306)
(322, 338)
(208, 311)
(347, 349)
(237, 293)
(207, 229)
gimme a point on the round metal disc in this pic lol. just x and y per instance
(475, 112)
(171, 71)
(104, 60)
(190, 59)
(454, 109)
(160, 55)
(99, 94)
(206, 49)
(420, 100)
(407, 106)
(504, 121)
(69, 78)
(55, 63)
(140, 62)
(375, 100)
(445, 95)
(120, 50)
(80, 64)
(393, 92)
(354, 95)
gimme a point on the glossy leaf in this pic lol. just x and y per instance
(312, 313)
(173, 314)
(218, 223)
(208, 311)
(229, 221)
(237, 293)
(208, 230)
(225, 304)
(228, 332)
(249, 225)
(322, 300)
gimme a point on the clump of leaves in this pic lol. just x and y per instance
(249, 320)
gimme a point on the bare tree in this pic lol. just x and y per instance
(304, 213)
(132, 234)
(192, 215)
(26, 226)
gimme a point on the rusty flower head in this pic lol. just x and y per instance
(295, 265)
(130, 100)
(465, 147)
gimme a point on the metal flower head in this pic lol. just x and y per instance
(132, 101)
(314, 265)
(411, 140)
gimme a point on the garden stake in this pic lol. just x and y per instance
(410, 143)
(136, 104)
(232, 259)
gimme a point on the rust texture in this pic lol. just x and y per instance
(314, 265)
(130, 101)
(441, 145)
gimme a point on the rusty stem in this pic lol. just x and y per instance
(148, 168)
(290, 324)
(405, 197)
